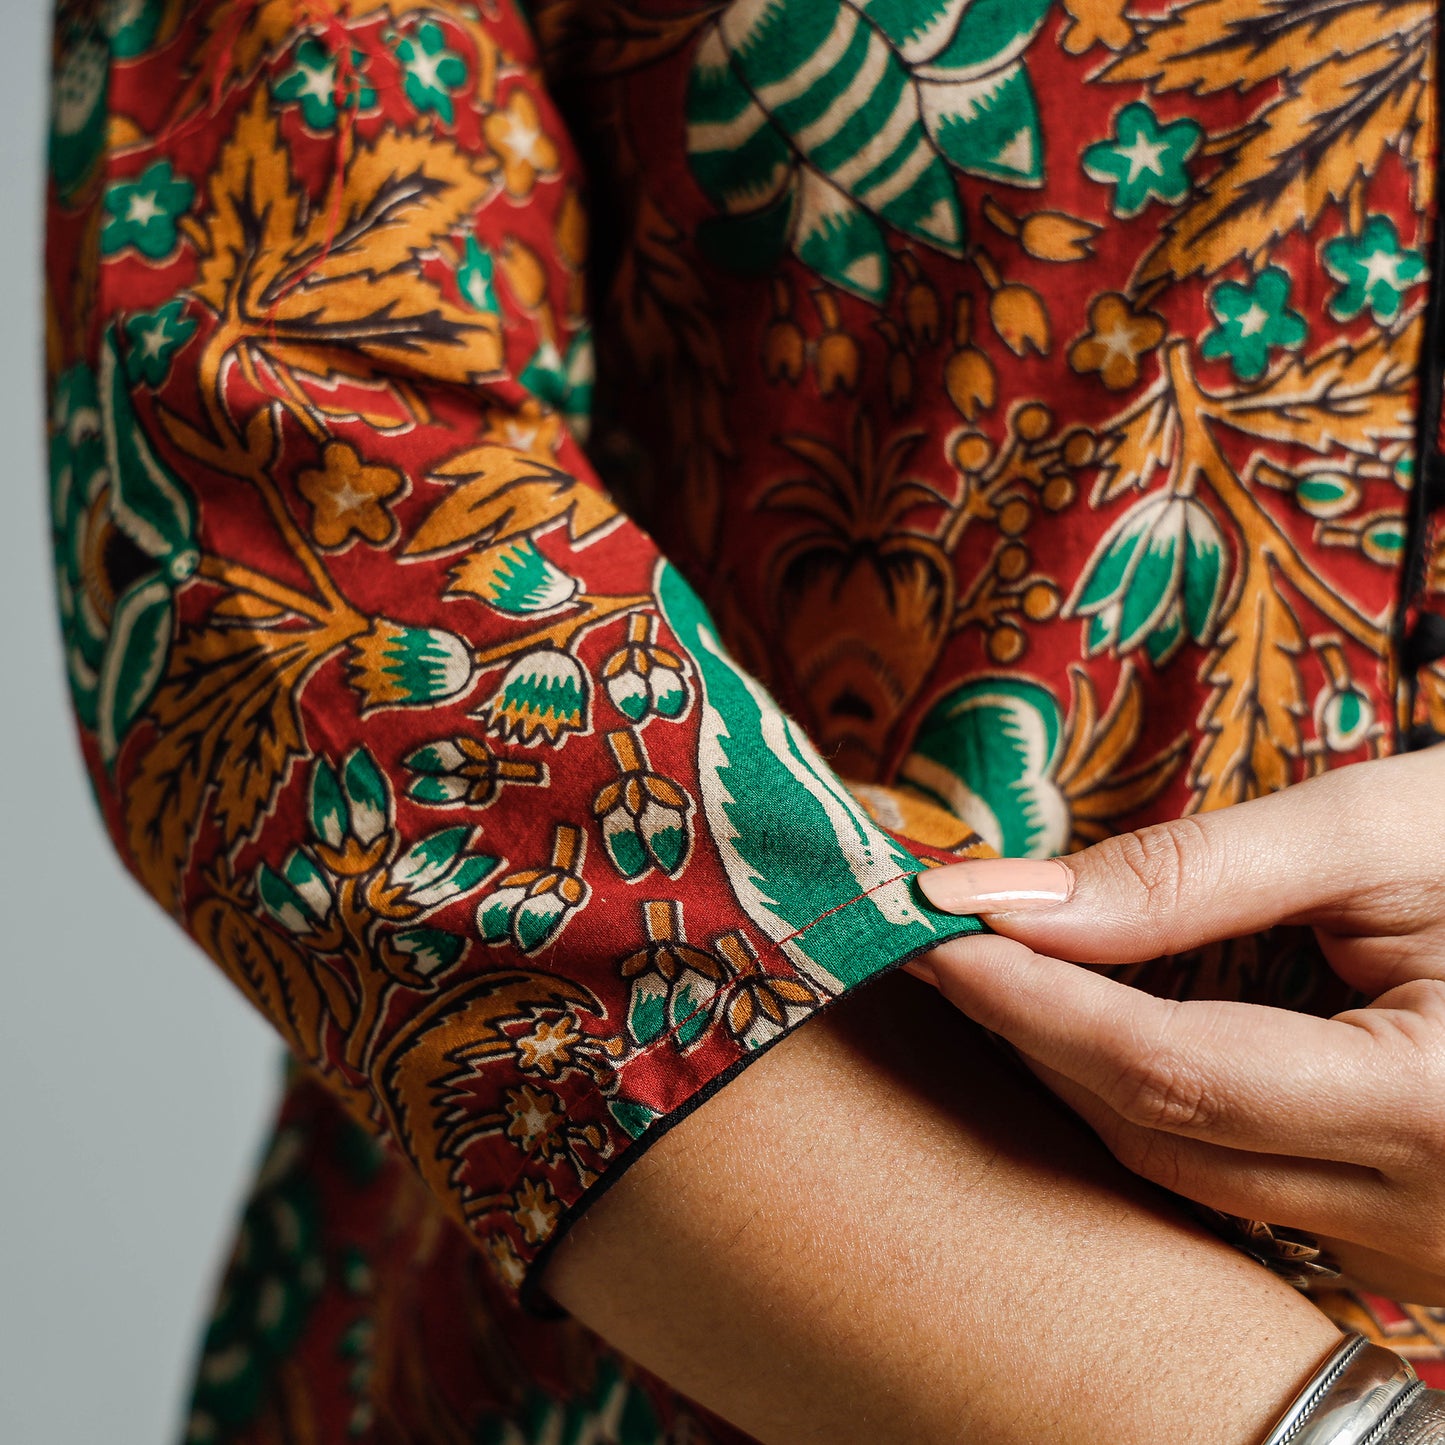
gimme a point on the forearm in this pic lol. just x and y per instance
(877, 1233)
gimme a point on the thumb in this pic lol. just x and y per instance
(1290, 857)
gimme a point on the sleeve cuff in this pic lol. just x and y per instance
(858, 934)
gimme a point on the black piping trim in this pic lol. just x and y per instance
(1422, 735)
(1425, 642)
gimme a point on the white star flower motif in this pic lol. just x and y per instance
(153, 339)
(522, 138)
(320, 82)
(1143, 155)
(425, 68)
(347, 499)
(143, 208)
(1382, 266)
(1253, 320)
(1118, 340)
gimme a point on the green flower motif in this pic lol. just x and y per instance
(143, 212)
(353, 835)
(153, 338)
(475, 277)
(131, 25)
(1374, 270)
(564, 384)
(432, 71)
(544, 691)
(1145, 161)
(314, 81)
(517, 579)
(1159, 574)
(77, 107)
(124, 528)
(1252, 319)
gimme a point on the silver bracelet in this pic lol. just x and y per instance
(1362, 1395)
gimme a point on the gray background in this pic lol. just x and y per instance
(135, 1084)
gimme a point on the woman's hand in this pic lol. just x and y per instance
(1332, 1126)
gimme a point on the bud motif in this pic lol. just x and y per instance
(837, 363)
(674, 983)
(1020, 320)
(1343, 718)
(345, 881)
(531, 906)
(969, 379)
(968, 375)
(465, 770)
(1159, 573)
(396, 665)
(1344, 715)
(760, 1006)
(1325, 495)
(642, 678)
(515, 578)
(784, 348)
(1057, 236)
(920, 305)
(783, 351)
(543, 691)
(643, 815)
(837, 360)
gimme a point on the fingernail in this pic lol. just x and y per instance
(997, 885)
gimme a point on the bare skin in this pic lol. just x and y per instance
(883, 1232)
(1330, 1125)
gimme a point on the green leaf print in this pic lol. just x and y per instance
(796, 845)
(987, 752)
(817, 125)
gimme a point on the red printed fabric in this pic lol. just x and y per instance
(1024, 395)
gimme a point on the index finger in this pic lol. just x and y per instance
(1241, 1075)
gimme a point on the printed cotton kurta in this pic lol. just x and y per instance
(1030, 403)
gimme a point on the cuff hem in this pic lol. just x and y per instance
(530, 1294)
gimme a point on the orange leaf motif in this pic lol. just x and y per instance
(506, 493)
(1359, 396)
(1353, 84)
(227, 720)
(336, 287)
(1251, 742)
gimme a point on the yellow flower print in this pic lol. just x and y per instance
(1117, 337)
(505, 1261)
(526, 428)
(534, 1120)
(527, 152)
(347, 496)
(548, 1048)
(536, 1211)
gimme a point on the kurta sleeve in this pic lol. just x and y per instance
(384, 700)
